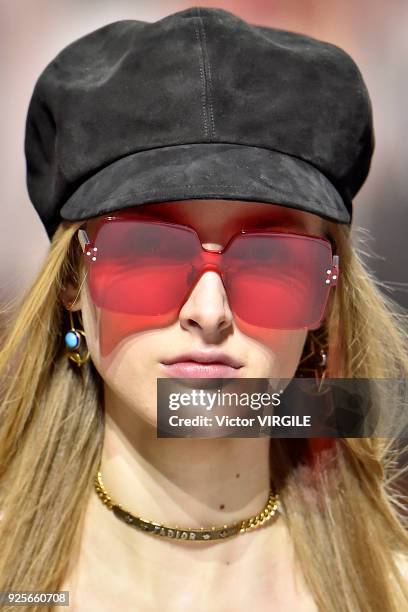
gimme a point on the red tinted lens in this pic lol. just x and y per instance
(141, 267)
(278, 281)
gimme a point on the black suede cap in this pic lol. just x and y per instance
(199, 104)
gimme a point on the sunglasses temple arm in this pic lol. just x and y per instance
(83, 238)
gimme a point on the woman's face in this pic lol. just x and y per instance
(205, 320)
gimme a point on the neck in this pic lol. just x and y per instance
(187, 482)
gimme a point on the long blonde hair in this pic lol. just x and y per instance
(346, 518)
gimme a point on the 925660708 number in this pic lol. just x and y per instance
(22, 598)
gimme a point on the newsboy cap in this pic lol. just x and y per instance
(200, 104)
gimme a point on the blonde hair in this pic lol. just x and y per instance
(345, 514)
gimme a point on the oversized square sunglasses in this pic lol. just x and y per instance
(144, 266)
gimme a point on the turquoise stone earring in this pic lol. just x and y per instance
(74, 341)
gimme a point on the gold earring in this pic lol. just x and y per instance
(320, 372)
(74, 341)
(315, 367)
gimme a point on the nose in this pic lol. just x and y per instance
(207, 311)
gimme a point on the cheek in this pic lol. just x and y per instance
(289, 349)
(277, 353)
(108, 331)
(128, 368)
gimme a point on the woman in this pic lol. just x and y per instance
(331, 537)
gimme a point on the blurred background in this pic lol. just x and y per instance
(373, 32)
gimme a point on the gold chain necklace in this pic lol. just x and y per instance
(176, 533)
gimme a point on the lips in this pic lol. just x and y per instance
(205, 357)
(203, 364)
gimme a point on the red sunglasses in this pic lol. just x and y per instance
(147, 267)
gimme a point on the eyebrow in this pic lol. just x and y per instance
(279, 224)
(292, 224)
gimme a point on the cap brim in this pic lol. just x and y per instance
(204, 171)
